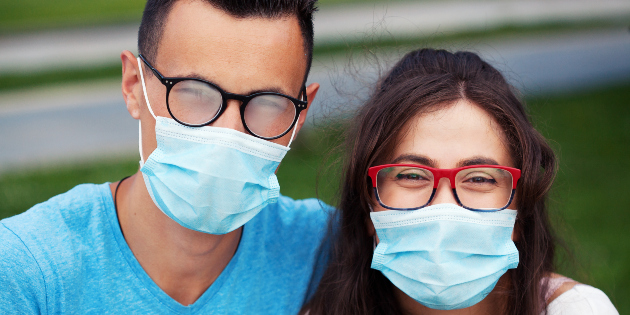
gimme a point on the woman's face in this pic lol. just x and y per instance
(458, 135)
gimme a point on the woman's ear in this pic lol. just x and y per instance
(368, 221)
(372, 231)
(516, 232)
(370, 227)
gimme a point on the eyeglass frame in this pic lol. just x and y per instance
(438, 174)
(169, 82)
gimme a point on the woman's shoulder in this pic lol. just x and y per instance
(571, 297)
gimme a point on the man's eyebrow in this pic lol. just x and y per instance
(194, 75)
(477, 160)
(269, 89)
(414, 158)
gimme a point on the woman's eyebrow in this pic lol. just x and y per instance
(477, 160)
(418, 159)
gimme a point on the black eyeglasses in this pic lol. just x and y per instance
(196, 103)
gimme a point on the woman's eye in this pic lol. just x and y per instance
(481, 180)
(409, 176)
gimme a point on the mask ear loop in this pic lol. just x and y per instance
(293, 133)
(146, 98)
(373, 237)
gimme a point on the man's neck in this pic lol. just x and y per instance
(182, 262)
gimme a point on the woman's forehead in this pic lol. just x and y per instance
(452, 134)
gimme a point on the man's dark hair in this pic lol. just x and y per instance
(156, 12)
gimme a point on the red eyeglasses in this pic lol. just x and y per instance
(413, 186)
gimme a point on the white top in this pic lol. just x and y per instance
(582, 299)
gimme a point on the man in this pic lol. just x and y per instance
(219, 90)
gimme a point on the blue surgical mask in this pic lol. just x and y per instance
(444, 256)
(209, 179)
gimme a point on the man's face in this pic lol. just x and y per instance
(240, 56)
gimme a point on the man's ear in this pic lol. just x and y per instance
(131, 85)
(311, 92)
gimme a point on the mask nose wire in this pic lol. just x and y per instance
(146, 98)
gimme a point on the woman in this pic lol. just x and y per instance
(443, 207)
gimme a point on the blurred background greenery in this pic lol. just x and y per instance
(589, 130)
(29, 15)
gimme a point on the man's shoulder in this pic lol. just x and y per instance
(284, 246)
(298, 213)
(73, 207)
(55, 226)
(21, 278)
(290, 220)
(309, 204)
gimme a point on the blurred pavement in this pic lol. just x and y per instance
(70, 123)
(345, 23)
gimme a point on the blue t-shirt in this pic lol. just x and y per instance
(68, 255)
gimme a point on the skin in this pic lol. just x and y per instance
(451, 137)
(241, 56)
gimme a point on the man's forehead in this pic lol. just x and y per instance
(265, 88)
(203, 41)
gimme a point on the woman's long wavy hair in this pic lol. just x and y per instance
(425, 80)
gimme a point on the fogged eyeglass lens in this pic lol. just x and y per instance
(484, 188)
(404, 187)
(269, 115)
(194, 102)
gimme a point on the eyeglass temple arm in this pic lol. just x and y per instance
(157, 73)
(305, 97)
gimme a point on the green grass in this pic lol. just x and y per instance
(19, 191)
(29, 15)
(589, 130)
(591, 134)
(14, 81)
